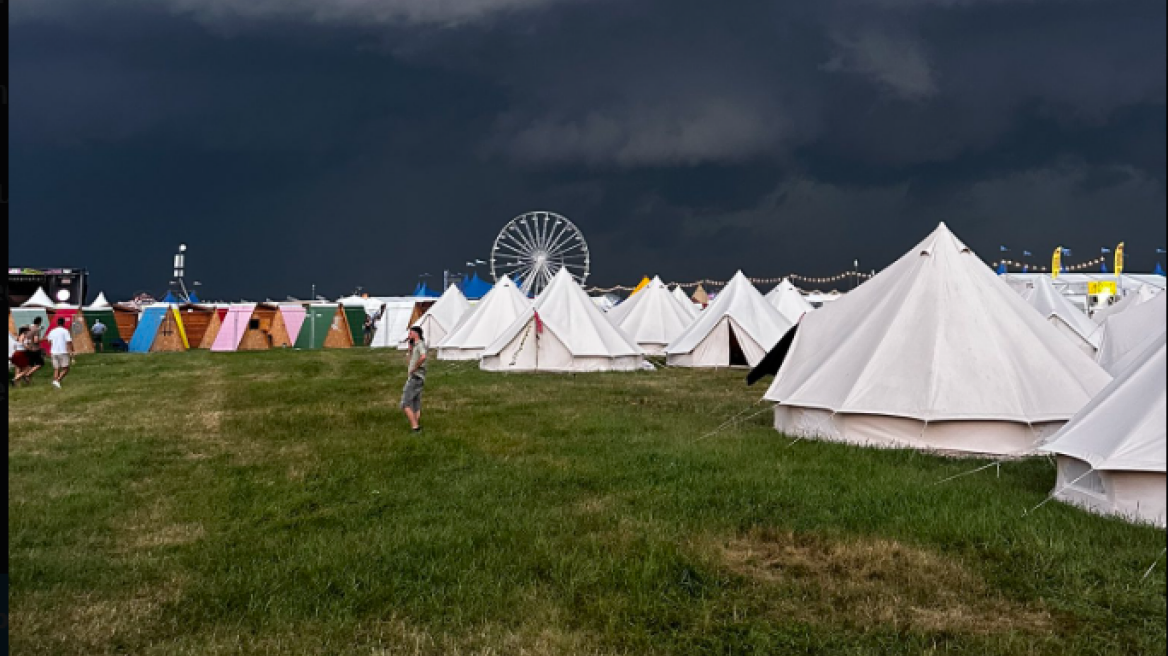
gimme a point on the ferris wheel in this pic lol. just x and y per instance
(533, 247)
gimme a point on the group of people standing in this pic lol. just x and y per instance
(26, 352)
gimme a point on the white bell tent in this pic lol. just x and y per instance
(1040, 294)
(1111, 456)
(789, 301)
(444, 315)
(493, 314)
(99, 303)
(1141, 295)
(563, 331)
(934, 352)
(692, 308)
(653, 317)
(737, 329)
(39, 299)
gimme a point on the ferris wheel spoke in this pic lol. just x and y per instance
(520, 238)
(561, 237)
(515, 252)
(529, 237)
(549, 227)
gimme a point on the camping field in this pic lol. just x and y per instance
(275, 503)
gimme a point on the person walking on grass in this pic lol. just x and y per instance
(19, 358)
(98, 332)
(411, 402)
(61, 346)
(32, 345)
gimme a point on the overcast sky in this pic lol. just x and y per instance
(362, 142)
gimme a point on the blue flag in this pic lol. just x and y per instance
(1001, 268)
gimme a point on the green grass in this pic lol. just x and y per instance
(275, 503)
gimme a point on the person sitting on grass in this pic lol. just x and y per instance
(61, 346)
(411, 402)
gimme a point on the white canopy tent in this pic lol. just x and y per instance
(1123, 334)
(737, 329)
(789, 301)
(494, 313)
(562, 332)
(39, 299)
(99, 303)
(1111, 455)
(934, 352)
(653, 317)
(1073, 323)
(444, 315)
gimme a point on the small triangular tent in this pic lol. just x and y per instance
(737, 329)
(1001, 268)
(653, 318)
(291, 319)
(1074, 324)
(355, 316)
(233, 327)
(170, 298)
(397, 315)
(475, 288)
(700, 296)
(99, 303)
(789, 301)
(1103, 267)
(213, 328)
(443, 316)
(1128, 331)
(106, 317)
(160, 329)
(126, 315)
(325, 326)
(493, 314)
(1111, 455)
(423, 291)
(193, 298)
(1159, 270)
(934, 352)
(562, 332)
(39, 299)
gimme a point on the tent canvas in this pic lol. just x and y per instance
(789, 301)
(1141, 295)
(1071, 322)
(700, 296)
(562, 332)
(1126, 332)
(355, 318)
(99, 303)
(263, 332)
(475, 287)
(737, 329)
(934, 352)
(291, 319)
(196, 320)
(686, 302)
(1111, 455)
(653, 318)
(493, 314)
(443, 316)
(212, 332)
(399, 314)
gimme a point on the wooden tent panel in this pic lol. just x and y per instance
(212, 331)
(170, 336)
(195, 321)
(11, 324)
(279, 332)
(127, 321)
(79, 331)
(339, 334)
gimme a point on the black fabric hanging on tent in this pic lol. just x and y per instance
(769, 365)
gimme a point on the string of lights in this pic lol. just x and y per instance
(857, 275)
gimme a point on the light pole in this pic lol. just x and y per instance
(180, 260)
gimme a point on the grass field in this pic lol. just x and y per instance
(275, 503)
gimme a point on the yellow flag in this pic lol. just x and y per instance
(1056, 263)
(1119, 259)
(643, 284)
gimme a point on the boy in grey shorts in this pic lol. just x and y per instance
(411, 402)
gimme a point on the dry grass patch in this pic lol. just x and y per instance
(870, 582)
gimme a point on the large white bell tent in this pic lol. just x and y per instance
(1111, 455)
(563, 331)
(653, 317)
(494, 313)
(39, 299)
(1123, 334)
(789, 301)
(1040, 294)
(934, 352)
(444, 315)
(399, 313)
(737, 329)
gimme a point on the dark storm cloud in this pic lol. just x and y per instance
(363, 142)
